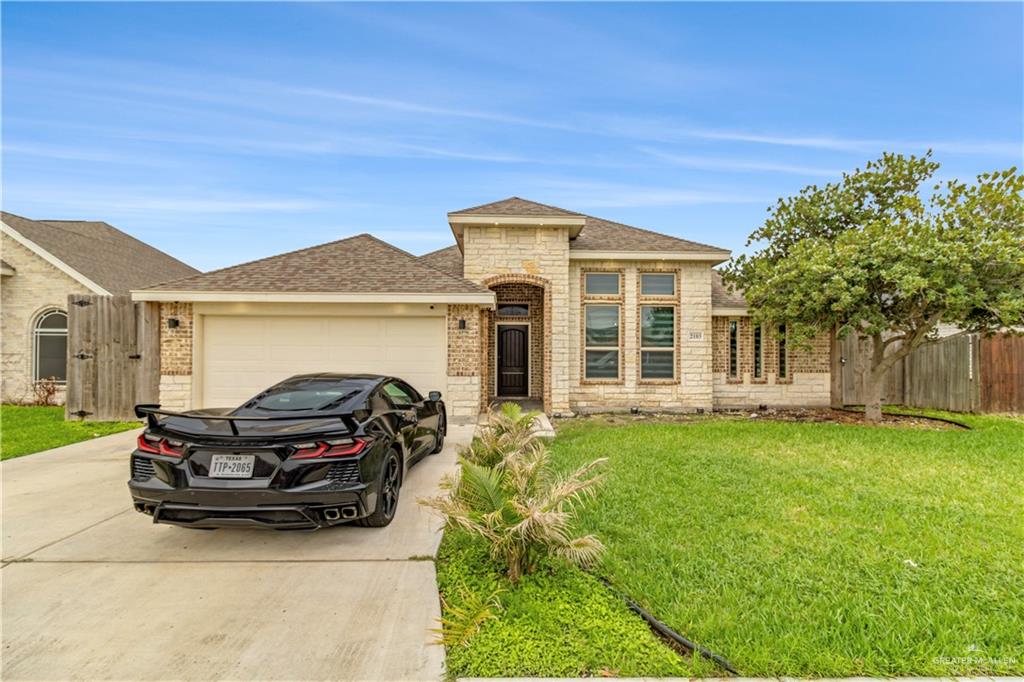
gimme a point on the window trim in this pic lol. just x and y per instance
(617, 273)
(497, 311)
(37, 332)
(617, 347)
(757, 334)
(783, 371)
(641, 348)
(670, 273)
(732, 368)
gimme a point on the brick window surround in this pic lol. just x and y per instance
(597, 299)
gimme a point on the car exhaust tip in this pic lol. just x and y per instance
(349, 512)
(332, 514)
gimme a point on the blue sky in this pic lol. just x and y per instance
(226, 132)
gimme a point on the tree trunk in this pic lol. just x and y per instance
(874, 385)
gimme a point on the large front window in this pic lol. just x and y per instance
(657, 342)
(601, 347)
(601, 284)
(50, 346)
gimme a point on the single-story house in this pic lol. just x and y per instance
(45, 261)
(532, 301)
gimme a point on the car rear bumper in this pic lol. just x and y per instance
(216, 508)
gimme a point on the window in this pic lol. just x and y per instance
(400, 394)
(601, 342)
(652, 284)
(734, 333)
(758, 364)
(514, 310)
(50, 344)
(783, 369)
(657, 342)
(602, 284)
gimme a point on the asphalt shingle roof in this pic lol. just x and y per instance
(359, 264)
(516, 206)
(448, 259)
(599, 234)
(722, 296)
(115, 260)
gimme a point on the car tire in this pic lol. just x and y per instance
(442, 429)
(387, 492)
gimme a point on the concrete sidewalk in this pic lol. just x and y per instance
(94, 590)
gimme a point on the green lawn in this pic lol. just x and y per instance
(24, 430)
(791, 549)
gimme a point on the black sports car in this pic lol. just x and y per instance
(312, 451)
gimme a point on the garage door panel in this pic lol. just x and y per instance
(244, 355)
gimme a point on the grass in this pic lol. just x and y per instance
(559, 621)
(25, 430)
(816, 549)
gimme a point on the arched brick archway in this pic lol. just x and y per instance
(505, 286)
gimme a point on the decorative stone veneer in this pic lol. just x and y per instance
(809, 368)
(691, 389)
(533, 255)
(176, 392)
(35, 287)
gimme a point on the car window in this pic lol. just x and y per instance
(303, 399)
(398, 395)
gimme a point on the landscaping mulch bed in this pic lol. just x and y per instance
(815, 416)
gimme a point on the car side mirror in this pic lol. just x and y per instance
(434, 396)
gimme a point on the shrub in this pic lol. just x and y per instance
(523, 510)
(44, 392)
(508, 430)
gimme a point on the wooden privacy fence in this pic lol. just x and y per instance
(967, 373)
(113, 357)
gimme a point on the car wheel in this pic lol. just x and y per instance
(442, 427)
(387, 492)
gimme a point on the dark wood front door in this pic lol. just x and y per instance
(513, 363)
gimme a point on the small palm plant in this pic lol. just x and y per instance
(522, 510)
(507, 430)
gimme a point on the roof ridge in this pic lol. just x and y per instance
(131, 237)
(660, 234)
(417, 259)
(515, 198)
(259, 260)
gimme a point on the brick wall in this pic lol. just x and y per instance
(809, 369)
(464, 353)
(533, 296)
(36, 286)
(176, 344)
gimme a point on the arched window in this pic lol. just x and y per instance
(50, 346)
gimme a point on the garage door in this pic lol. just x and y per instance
(243, 355)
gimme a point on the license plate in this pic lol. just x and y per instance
(232, 466)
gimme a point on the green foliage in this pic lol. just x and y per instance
(870, 254)
(818, 550)
(521, 509)
(557, 622)
(24, 429)
(507, 430)
(464, 617)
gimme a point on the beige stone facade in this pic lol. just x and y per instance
(35, 288)
(535, 260)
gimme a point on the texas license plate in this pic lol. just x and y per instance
(232, 466)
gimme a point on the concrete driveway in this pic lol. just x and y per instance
(94, 590)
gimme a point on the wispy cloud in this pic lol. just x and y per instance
(609, 195)
(733, 165)
(101, 201)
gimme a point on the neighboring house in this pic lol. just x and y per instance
(43, 262)
(578, 313)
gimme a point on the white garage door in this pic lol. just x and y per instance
(243, 355)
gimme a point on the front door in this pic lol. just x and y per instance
(513, 363)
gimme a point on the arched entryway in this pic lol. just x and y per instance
(518, 341)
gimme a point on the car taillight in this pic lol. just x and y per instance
(160, 446)
(345, 447)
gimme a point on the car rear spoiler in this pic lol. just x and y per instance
(151, 412)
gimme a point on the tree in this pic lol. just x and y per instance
(872, 255)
